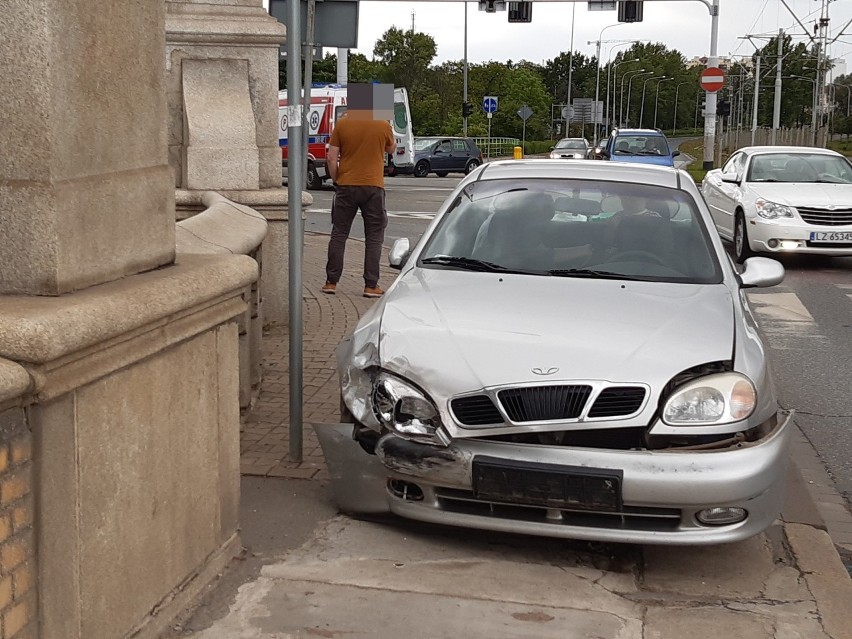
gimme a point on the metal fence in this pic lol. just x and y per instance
(497, 147)
(733, 139)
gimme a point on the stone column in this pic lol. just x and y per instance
(85, 191)
(222, 92)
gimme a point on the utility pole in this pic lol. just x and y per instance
(412, 21)
(342, 66)
(710, 96)
(570, 61)
(756, 94)
(776, 117)
(464, 101)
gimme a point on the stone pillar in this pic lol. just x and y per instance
(222, 91)
(85, 191)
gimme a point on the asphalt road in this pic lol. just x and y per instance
(807, 321)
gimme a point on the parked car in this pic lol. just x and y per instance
(772, 199)
(445, 155)
(566, 352)
(641, 146)
(571, 148)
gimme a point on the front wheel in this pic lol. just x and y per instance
(313, 180)
(742, 250)
(421, 169)
(471, 166)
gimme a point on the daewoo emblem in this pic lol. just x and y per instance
(545, 371)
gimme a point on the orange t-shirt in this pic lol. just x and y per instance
(362, 145)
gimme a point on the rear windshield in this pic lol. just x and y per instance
(568, 228)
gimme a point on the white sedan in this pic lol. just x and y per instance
(771, 199)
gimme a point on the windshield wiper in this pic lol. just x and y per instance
(650, 153)
(468, 263)
(588, 272)
(623, 152)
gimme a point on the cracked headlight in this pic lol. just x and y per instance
(771, 210)
(404, 409)
(712, 400)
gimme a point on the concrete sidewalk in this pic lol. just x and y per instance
(338, 577)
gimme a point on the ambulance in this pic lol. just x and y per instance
(328, 103)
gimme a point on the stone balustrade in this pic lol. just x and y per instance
(227, 227)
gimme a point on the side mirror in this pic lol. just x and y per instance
(399, 252)
(731, 178)
(761, 272)
(675, 154)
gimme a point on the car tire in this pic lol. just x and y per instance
(742, 250)
(471, 166)
(312, 180)
(442, 173)
(421, 169)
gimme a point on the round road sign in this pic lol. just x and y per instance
(712, 79)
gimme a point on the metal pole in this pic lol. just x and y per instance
(342, 66)
(756, 94)
(621, 97)
(674, 117)
(710, 99)
(776, 115)
(308, 77)
(570, 62)
(642, 106)
(464, 125)
(295, 179)
(629, 92)
(657, 99)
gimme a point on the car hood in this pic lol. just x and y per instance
(659, 160)
(456, 331)
(815, 195)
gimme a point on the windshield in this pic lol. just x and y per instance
(572, 228)
(571, 144)
(400, 119)
(423, 143)
(641, 145)
(800, 167)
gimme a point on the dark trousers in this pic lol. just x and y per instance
(347, 201)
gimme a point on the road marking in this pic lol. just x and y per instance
(420, 215)
(783, 317)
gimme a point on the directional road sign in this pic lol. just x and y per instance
(712, 79)
(567, 112)
(489, 103)
(525, 112)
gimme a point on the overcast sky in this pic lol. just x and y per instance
(682, 25)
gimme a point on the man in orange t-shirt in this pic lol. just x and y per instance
(356, 161)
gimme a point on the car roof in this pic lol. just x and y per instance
(751, 150)
(640, 132)
(558, 169)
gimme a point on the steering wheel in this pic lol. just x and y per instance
(643, 256)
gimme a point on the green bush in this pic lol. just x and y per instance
(537, 147)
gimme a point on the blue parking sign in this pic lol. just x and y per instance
(489, 103)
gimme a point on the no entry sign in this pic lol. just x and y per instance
(712, 79)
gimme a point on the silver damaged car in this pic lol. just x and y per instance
(567, 352)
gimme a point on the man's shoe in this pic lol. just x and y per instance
(329, 288)
(373, 291)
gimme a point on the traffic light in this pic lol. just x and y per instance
(723, 108)
(520, 11)
(467, 109)
(630, 11)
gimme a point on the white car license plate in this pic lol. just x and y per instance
(831, 236)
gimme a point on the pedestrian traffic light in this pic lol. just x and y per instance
(520, 11)
(723, 108)
(630, 11)
(467, 109)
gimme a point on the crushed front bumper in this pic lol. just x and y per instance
(661, 492)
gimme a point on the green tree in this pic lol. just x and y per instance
(405, 56)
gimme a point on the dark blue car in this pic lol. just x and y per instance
(443, 155)
(639, 146)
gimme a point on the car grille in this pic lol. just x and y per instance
(824, 217)
(477, 410)
(618, 401)
(627, 518)
(544, 403)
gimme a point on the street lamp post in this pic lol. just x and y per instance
(598, 80)
(848, 95)
(657, 98)
(614, 84)
(813, 105)
(642, 106)
(674, 117)
(609, 67)
(632, 74)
